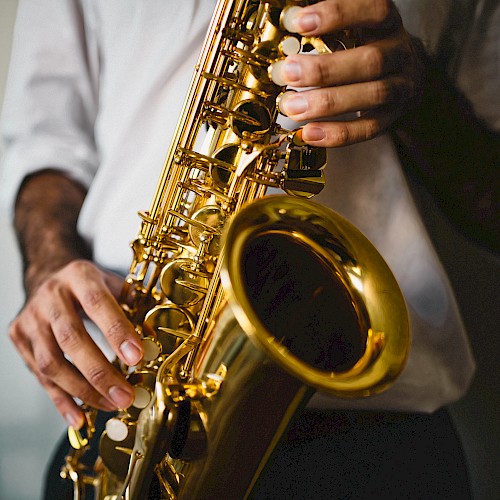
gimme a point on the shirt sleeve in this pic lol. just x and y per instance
(51, 98)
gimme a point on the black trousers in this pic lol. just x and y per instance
(349, 455)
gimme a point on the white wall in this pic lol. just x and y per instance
(29, 426)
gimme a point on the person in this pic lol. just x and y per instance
(93, 94)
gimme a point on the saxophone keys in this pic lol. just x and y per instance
(116, 446)
(290, 45)
(143, 382)
(80, 438)
(182, 283)
(275, 72)
(152, 348)
(117, 429)
(251, 119)
(209, 222)
(169, 323)
(303, 183)
(222, 170)
(139, 249)
(76, 440)
(302, 174)
(142, 397)
(288, 16)
(307, 158)
(146, 217)
(213, 383)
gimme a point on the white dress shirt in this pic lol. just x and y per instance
(95, 89)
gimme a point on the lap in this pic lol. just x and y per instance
(366, 455)
(348, 454)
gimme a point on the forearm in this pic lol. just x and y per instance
(455, 156)
(46, 215)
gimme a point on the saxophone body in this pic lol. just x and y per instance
(245, 304)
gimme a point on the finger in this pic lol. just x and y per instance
(64, 403)
(331, 15)
(101, 307)
(80, 379)
(35, 337)
(337, 134)
(361, 64)
(334, 101)
(89, 376)
(20, 341)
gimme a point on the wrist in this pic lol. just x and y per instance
(46, 217)
(37, 273)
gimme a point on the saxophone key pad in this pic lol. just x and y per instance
(290, 45)
(288, 16)
(152, 348)
(142, 397)
(116, 429)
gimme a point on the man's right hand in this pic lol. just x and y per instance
(50, 329)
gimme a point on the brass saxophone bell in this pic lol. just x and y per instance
(312, 291)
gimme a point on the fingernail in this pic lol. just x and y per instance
(292, 71)
(307, 22)
(131, 352)
(121, 398)
(293, 104)
(313, 134)
(74, 419)
(284, 72)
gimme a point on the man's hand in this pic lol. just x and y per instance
(49, 330)
(61, 288)
(378, 78)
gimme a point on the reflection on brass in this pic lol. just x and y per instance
(245, 304)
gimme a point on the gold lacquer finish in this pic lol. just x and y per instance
(313, 293)
(245, 305)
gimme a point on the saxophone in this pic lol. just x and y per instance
(245, 305)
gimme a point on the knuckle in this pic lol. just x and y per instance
(54, 314)
(85, 394)
(381, 9)
(93, 298)
(67, 335)
(42, 379)
(334, 13)
(341, 135)
(48, 287)
(59, 400)
(97, 375)
(374, 60)
(380, 92)
(116, 331)
(31, 310)
(48, 365)
(79, 266)
(329, 102)
(322, 70)
(372, 129)
(14, 332)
